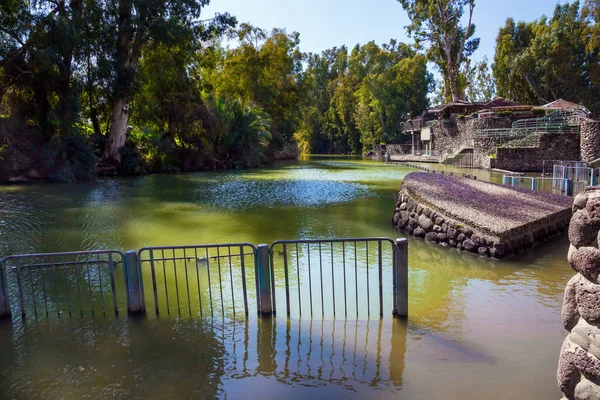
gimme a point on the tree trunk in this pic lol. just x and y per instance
(127, 56)
(454, 87)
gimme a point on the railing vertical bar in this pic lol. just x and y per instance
(20, 288)
(32, 292)
(220, 280)
(187, 281)
(243, 268)
(298, 276)
(332, 281)
(154, 286)
(321, 273)
(309, 280)
(356, 276)
(368, 285)
(165, 280)
(87, 268)
(198, 279)
(176, 282)
(209, 284)
(44, 291)
(287, 279)
(55, 288)
(380, 267)
(78, 289)
(113, 288)
(68, 291)
(344, 270)
(101, 288)
(272, 274)
(231, 280)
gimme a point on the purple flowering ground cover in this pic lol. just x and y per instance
(496, 210)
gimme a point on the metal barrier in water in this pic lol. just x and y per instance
(330, 278)
(338, 277)
(81, 283)
(204, 279)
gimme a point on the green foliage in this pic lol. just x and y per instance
(437, 24)
(480, 86)
(551, 58)
(353, 102)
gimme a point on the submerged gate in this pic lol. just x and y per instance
(331, 278)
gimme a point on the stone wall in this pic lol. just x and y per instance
(418, 220)
(579, 362)
(553, 146)
(483, 147)
(449, 134)
(590, 140)
(393, 149)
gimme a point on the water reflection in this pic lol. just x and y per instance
(181, 359)
(345, 354)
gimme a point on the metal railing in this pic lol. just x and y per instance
(554, 123)
(208, 280)
(335, 277)
(562, 186)
(199, 279)
(56, 283)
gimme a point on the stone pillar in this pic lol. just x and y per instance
(590, 140)
(579, 362)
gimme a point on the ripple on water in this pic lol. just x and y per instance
(241, 194)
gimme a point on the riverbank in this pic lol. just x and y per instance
(479, 217)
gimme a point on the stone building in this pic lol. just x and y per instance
(502, 134)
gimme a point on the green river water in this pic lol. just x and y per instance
(477, 328)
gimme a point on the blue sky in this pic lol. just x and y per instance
(323, 24)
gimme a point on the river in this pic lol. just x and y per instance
(477, 328)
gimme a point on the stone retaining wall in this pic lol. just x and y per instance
(420, 221)
(449, 134)
(579, 362)
(483, 147)
(553, 146)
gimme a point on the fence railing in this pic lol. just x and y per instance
(59, 283)
(329, 278)
(563, 186)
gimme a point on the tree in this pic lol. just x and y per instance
(480, 84)
(139, 22)
(351, 103)
(551, 58)
(437, 23)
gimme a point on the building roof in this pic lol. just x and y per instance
(501, 102)
(561, 104)
(459, 103)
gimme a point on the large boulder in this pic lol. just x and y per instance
(419, 232)
(582, 231)
(468, 245)
(586, 260)
(431, 237)
(425, 223)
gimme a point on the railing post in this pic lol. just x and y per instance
(593, 180)
(263, 279)
(532, 183)
(4, 301)
(569, 183)
(401, 278)
(135, 292)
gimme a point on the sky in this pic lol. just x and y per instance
(323, 24)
